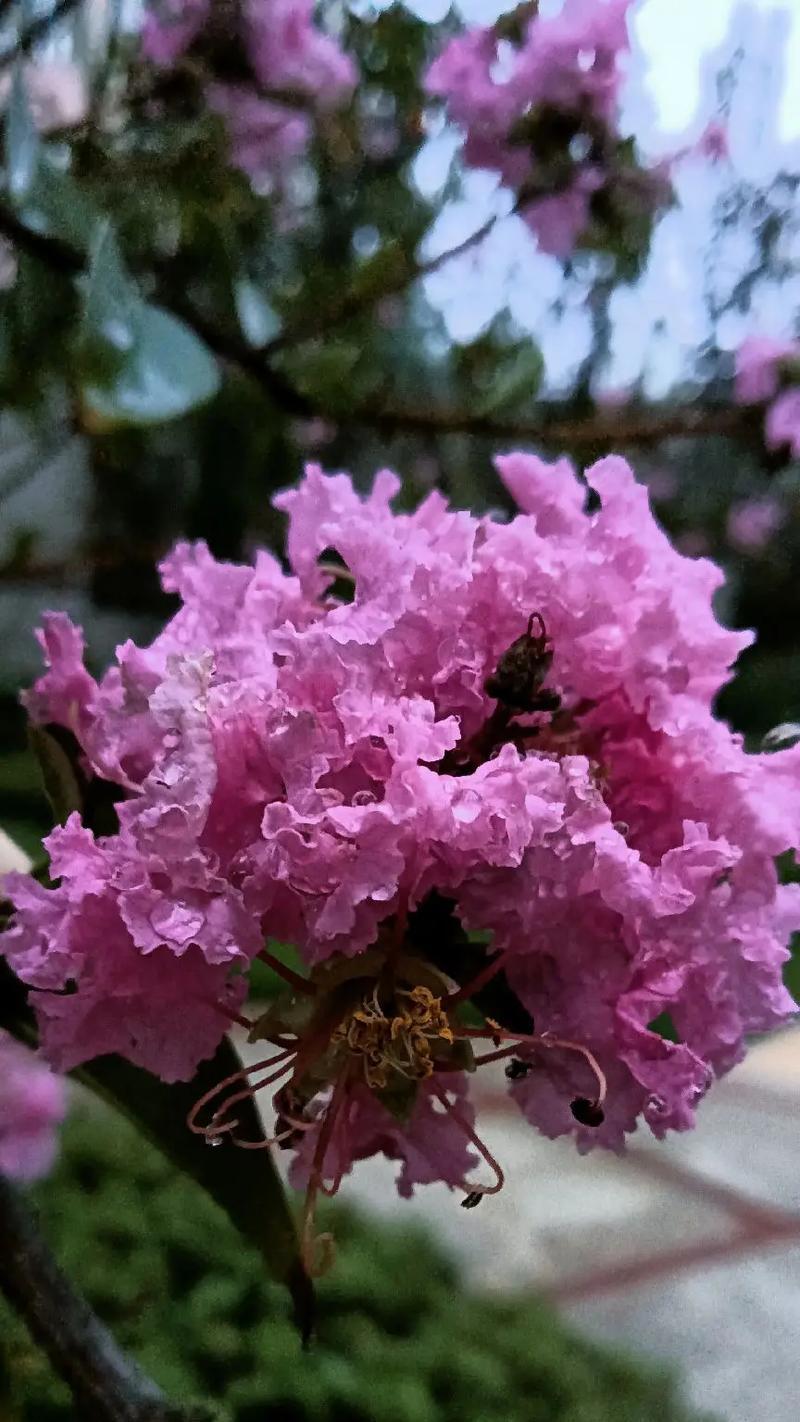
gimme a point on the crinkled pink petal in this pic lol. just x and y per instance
(303, 765)
(430, 1146)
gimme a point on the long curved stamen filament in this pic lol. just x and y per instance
(219, 1125)
(337, 570)
(498, 1034)
(232, 1080)
(298, 1123)
(318, 1249)
(461, 1121)
(589, 1057)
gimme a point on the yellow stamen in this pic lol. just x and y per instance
(398, 1044)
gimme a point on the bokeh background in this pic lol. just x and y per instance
(351, 362)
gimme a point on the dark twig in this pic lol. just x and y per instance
(37, 30)
(558, 425)
(106, 1385)
(351, 303)
(63, 258)
(554, 425)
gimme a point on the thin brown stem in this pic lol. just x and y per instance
(288, 974)
(357, 300)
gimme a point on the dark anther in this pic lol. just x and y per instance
(516, 1070)
(470, 1201)
(519, 677)
(586, 1112)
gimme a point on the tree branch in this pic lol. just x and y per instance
(106, 1385)
(37, 30)
(351, 303)
(61, 257)
(557, 425)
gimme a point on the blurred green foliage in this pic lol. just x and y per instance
(399, 1337)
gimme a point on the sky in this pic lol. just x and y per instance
(679, 48)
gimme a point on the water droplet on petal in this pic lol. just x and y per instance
(466, 806)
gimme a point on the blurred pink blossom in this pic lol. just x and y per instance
(297, 71)
(543, 114)
(752, 523)
(757, 368)
(783, 422)
(32, 1106)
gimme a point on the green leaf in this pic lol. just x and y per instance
(258, 319)
(325, 372)
(58, 206)
(112, 306)
(66, 783)
(167, 373)
(244, 1183)
(61, 784)
(518, 379)
(22, 142)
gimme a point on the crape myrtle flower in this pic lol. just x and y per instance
(270, 71)
(471, 770)
(538, 101)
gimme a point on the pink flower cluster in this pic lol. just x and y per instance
(317, 769)
(543, 114)
(768, 373)
(32, 1104)
(285, 54)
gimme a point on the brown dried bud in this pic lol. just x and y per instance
(519, 677)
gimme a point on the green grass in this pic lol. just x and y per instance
(399, 1337)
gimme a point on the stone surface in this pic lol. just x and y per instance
(603, 1235)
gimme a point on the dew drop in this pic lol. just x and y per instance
(466, 807)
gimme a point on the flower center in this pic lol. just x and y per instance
(402, 1041)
